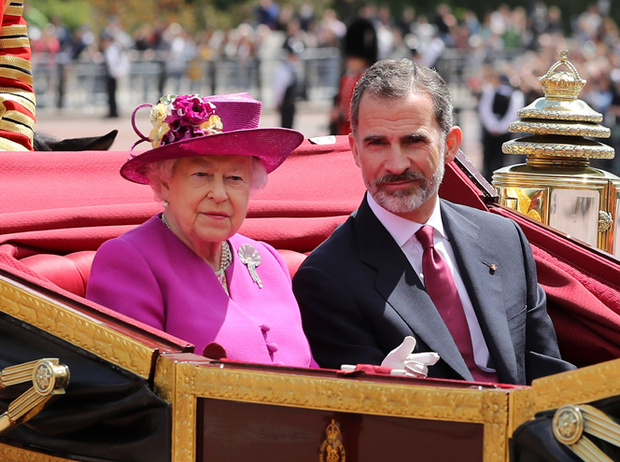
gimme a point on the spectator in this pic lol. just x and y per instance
(180, 50)
(330, 30)
(287, 83)
(267, 13)
(116, 64)
(360, 52)
(498, 106)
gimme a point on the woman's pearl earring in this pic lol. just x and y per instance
(165, 203)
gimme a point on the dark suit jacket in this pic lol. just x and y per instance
(359, 297)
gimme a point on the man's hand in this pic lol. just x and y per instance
(415, 364)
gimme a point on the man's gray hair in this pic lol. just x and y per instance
(396, 79)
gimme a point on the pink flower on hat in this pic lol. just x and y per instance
(177, 118)
(186, 126)
(191, 109)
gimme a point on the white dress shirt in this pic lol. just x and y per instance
(403, 232)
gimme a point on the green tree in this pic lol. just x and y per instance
(72, 13)
(200, 14)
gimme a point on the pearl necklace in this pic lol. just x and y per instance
(225, 259)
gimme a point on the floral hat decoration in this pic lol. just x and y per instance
(194, 125)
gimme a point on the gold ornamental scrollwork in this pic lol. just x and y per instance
(605, 221)
(572, 424)
(332, 449)
(48, 378)
(184, 382)
(79, 329)
(568, 424)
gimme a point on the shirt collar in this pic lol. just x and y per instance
(400, 228)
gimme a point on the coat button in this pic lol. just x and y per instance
(272, 347)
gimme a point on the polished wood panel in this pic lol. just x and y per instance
(229, 431)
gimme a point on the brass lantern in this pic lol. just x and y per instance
(556, 185)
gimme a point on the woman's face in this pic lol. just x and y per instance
(208, 198)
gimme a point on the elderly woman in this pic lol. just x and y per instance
(187, 271)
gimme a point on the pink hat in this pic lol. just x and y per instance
(192, 125)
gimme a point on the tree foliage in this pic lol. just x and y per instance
(200, 14)
(192, 14)
(73, 13)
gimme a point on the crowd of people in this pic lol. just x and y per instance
(410, 281)
(515, 44)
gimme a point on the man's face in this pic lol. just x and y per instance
(402, 152)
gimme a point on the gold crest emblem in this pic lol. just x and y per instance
(332, 449)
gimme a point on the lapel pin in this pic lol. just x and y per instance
(492, 266)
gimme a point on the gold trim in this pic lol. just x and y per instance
(15, 29)
(562, 85)
(570, 422)
(13, 454)
(16, 61)
(10, 145)
(542, 148)
(23, 73)
(17, 74)
(332, 449)
(566, 129)
(48, 378)
(14, 42)
(549, 114)
(15, 36)
(184, 382)
(576, 387)
(77, 328)
(13, 127)
(13, 8)
(19, 99)
(610, 199)
(27, 95)
(17, 116)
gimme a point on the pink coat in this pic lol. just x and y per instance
(150, 275)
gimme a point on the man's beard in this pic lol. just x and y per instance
(409, 199)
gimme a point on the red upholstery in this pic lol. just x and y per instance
(293, 259)
(583, 292)
(79, 200)
(70, 272)
(56, 210)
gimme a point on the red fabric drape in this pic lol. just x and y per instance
(65, 202)
(583, 291)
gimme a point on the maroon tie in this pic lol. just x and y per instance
(441, 287)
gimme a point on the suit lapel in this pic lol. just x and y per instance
(475, 260)
(401, 288)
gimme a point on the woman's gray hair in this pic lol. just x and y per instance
(160, 173)
(396, 79)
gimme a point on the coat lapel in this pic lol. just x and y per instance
(397, 282)
(476, 260)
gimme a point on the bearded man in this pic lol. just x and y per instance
(446, 278)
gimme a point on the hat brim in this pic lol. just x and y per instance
(270, 145)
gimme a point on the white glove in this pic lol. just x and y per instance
(415, 364)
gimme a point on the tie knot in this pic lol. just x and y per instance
(425, 236)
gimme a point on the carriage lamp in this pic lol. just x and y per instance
(556, 185)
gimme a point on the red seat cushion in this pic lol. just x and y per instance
(69, 272)
(293, 259)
